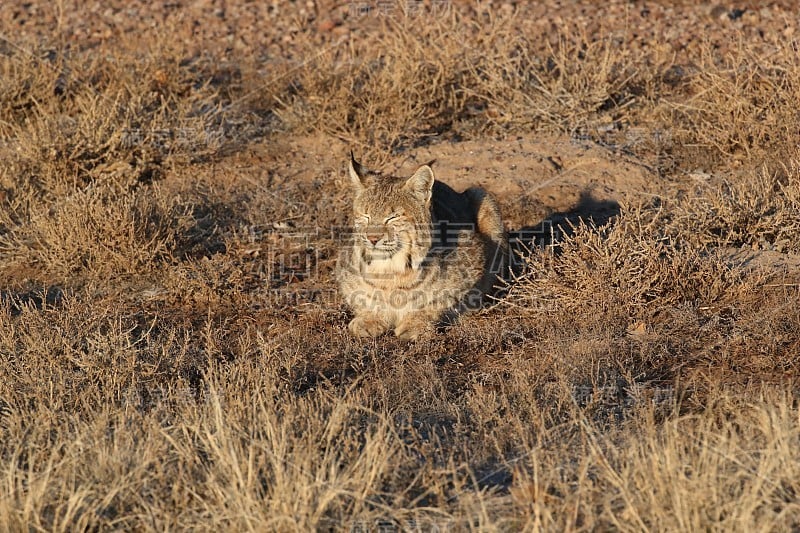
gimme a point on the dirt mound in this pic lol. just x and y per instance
(535, 177)
(532, 177)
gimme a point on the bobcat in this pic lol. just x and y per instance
(422, 253)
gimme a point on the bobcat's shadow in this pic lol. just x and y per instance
(36, 298)
(555, 227)
(521, 242)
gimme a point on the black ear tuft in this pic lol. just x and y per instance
(356, 165)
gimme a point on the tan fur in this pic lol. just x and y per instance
(421, 253)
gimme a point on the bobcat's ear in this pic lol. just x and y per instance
(356, 172)
(421, 183)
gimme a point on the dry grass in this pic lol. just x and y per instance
(173, 356)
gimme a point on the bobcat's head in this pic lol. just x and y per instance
(392, 217)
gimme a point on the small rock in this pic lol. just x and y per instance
(327, 25)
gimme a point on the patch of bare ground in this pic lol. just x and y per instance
(173, 353)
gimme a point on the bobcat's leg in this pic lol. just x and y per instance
(368, 326)
(415, 326)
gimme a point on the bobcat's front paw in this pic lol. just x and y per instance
(362, 326)
(413, 329)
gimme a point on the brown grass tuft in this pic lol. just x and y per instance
(172, 349)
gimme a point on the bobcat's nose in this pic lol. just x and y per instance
(374, 238)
